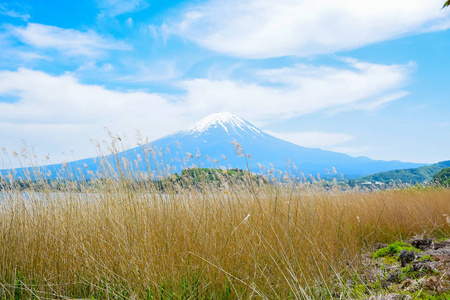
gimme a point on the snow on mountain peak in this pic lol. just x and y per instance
(226, 120)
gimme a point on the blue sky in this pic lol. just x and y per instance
(363, 78)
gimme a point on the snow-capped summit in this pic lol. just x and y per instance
(226, 121)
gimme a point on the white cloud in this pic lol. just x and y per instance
(313, 139)
(7, 11)
(46, 99)
(69, 41)
(58, 113)
(112, 8)
(301, 90)
(267, 28)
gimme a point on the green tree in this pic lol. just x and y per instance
(446, 4)
(442, 177)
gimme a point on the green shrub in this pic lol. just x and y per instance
(394, 249)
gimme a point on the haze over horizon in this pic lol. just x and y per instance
(375, 85)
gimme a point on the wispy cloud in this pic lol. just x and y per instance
(92, 66)
(13, 55)
(112, 8)
(69, 42)
(267, 28)
(82, 110)
(302, 89)
(6, 10)
(146, 72)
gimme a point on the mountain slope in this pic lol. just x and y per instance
(413, 176)
(208, 143)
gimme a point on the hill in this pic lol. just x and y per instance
(412, 176)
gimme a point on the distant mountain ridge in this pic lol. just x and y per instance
(208, 143)
(416, 175)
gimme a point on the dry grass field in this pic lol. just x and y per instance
(227, 239)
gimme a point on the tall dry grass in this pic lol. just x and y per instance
(237, 239)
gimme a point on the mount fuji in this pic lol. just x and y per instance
(213, 141)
